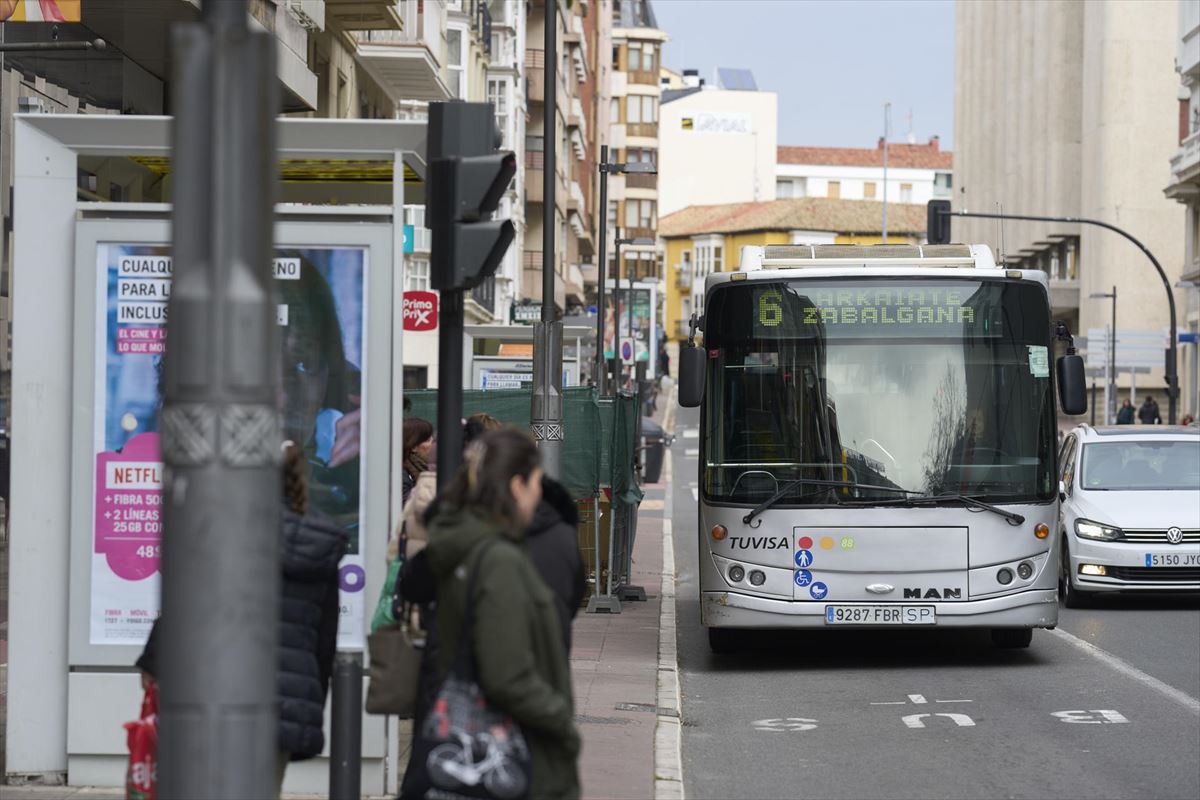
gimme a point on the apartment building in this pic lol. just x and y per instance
(916, 173)
(1071, 109)
(1184, 187)
(635, 59)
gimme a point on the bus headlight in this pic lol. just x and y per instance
(1004, 577)
(757, 578)
(737, 573)
(1094, 530)
(1024, 570)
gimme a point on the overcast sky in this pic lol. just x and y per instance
(833, 64)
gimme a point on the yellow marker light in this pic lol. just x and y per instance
(1013, 273)
(1092, 569)
(719, 532)
(1041, 530)
(738, 276)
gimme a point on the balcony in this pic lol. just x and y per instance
(647, 130)
(535, 75)
(484, 295)
(683, 277)
(365, 15)
(1185, 167)
(408, 63)
(641, 180)
(534, 169)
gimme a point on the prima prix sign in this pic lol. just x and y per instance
(420, 311)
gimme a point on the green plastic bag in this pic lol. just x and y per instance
(383, 609)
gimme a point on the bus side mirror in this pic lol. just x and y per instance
(1072, 384)
(691, 375)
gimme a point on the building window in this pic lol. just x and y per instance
(616, 57)
(639, 155)
(709, 257)
(615, 111)
(640, 214)
(612, 213)
(943, 180)
(635, 57)
(641, 108)
(498, 97)
(869, 190)
(648, 54)
(783, 190)
(835, 189)
(456, 62)
(416, 275)
(906, 193)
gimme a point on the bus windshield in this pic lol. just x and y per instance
(878, 387)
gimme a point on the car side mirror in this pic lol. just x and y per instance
(691, 375)
(1072, 384)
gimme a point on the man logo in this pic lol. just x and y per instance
(932, 594)
(1174, 535)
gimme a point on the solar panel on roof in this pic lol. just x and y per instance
(738, 80)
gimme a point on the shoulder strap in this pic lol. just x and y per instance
(464, 658)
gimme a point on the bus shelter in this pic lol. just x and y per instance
(92, 261)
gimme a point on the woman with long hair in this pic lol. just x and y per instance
(417, 447)
(480, 526)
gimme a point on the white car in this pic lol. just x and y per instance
(1130, 514)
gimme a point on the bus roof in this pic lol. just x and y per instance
(798, 256)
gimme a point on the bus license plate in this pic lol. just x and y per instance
(880, 615)
(1173, 559)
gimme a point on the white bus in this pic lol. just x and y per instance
(878, 441)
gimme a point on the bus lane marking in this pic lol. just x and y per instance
(914, 721)
(1128, 670)
(1106, 717)
(784, 725)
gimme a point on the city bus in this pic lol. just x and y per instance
(878, 441)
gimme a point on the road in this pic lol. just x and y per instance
(1105, 707)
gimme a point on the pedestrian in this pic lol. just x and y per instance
(554, 549)
(477, 425)
(520, 661)
(311, 549)
(1125, 415)
(1148, 413)
(417, 440)
(1188, 419)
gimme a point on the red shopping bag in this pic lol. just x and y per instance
(141, 779)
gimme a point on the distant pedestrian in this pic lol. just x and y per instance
(1188, 419)
(521, 664)
(1148, 413)
(417, 442)
(1125, 415)
(477, 425)
(554, 548)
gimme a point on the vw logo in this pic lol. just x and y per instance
(1174, 535)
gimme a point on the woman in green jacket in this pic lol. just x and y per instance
(520, 662)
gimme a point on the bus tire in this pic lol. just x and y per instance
(724, 640)
(1012, 638)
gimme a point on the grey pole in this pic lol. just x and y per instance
(220, 423)
(616, 362)
(887, 108)
(546, 417)
(345, 741)
(1172, 365)
(632, 337)
(602, 267)
(1112, 356)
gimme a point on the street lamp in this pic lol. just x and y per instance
(641, 241)
(643, 167)
(1112, 351)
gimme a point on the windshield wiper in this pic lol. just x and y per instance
(921, 499)
(792, 484)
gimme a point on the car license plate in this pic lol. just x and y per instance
(880, 615)
(1173, 559)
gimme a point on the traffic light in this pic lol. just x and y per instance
(467, 244)
(467, 178)
(937, 222)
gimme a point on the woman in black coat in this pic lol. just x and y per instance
(554, 549)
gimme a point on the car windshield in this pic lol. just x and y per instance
(932, 387)
(1141, 465)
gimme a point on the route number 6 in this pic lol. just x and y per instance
(1094, 717)
(770, 308)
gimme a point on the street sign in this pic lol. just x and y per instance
(1134, 348)
(409, 236)
(526, 313)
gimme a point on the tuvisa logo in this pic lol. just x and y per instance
(760, 543)
(932, 594)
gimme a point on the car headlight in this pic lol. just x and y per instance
(1094, 530)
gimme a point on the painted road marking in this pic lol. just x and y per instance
(917, 698)
(1182, 698)
(916, 720)
(914, 698)
(695, 495)
(952, 701)
(691, 433)
(692, 452)
(790, 724)
(890, 703)
(1107, 717)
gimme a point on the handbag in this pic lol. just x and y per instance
(465, 748)
(141, 777)
(395, 652)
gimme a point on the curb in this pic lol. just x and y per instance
(668, 761)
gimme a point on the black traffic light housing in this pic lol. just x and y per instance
(467, 178)
(937, 222)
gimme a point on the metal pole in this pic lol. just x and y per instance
(345, 742)
(546, 418)
(602, 270)
(450, 360)
(1112, 358)
(616, 376)
(632, 336)
(887, 107)
(220, 423)
(1108, 382)
(1172, 365)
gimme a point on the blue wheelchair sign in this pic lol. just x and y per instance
(803, 577)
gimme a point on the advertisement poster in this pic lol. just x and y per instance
(321, 314)
(616, 323)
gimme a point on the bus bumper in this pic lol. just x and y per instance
(1031, 609)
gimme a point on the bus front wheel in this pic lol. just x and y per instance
(1012, 638)
(724, 640)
